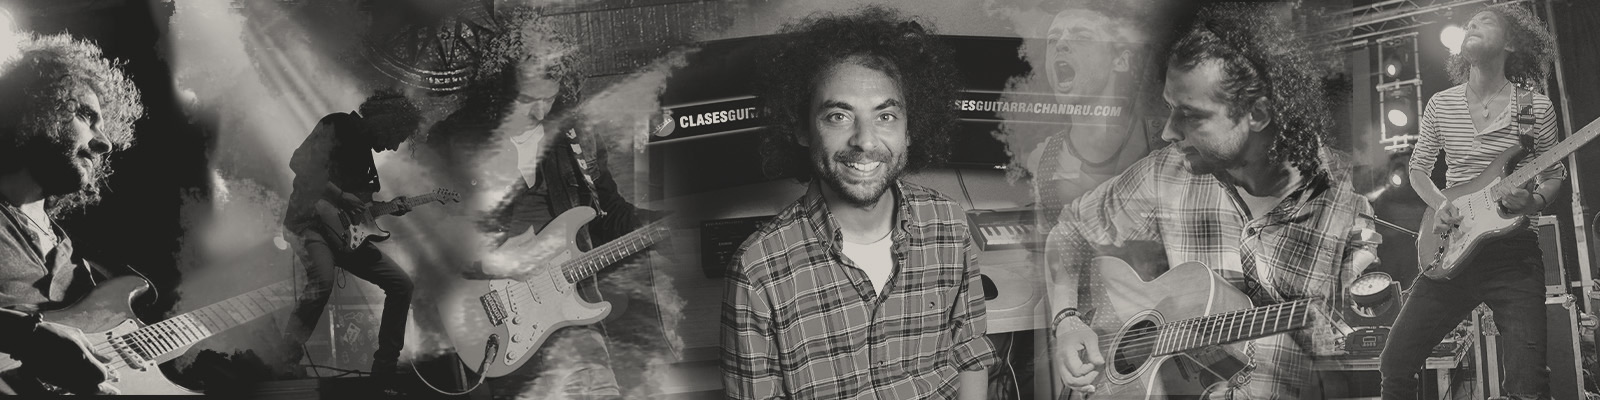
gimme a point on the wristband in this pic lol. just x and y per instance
(1062, 316)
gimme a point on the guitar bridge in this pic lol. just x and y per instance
(491, 306)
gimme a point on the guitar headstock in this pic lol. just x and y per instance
(444, 196)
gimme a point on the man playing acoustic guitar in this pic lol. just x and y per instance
(63, 110)
(1504, 54)
(1245, 188)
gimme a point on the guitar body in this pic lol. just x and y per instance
(1442, 256)
(104, 313)
(521, 314)
(352, 234)
(1186, 291)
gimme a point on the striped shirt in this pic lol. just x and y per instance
(801, 321)
(1447, 124)
(1298, 250)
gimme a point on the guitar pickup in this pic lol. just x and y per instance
(491, 306)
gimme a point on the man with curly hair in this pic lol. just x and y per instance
(1243, 188)
(1503, 59)
(867, 286)
(334, 165)
(63, 110)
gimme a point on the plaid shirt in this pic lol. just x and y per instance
(800, 320)
(1300, 249)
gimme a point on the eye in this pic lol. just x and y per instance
(887, 117)
(836, 117)
(89, 115)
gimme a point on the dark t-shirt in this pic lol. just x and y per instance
(335, 151)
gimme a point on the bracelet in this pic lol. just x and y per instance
(1062, 316)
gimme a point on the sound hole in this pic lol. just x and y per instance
(1134, 348)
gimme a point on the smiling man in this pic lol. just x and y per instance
(866, 287)
(1243, 188)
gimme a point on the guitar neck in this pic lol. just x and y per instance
(600, 257)
(1548, 158)
(1194, 333)
(387, 207)
(156, 340)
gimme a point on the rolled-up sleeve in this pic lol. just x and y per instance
(749, 348)
(972, 350)
(1426, 151)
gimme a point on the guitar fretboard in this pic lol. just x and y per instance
(1547, 159)
(1189, 334)
(600, 257)
(158, 339)
(381, 209)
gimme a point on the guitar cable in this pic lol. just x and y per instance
(491, 349)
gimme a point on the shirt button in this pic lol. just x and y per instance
(933, 305)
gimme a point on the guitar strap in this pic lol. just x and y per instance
(1525, 118)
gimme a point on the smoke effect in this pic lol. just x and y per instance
(231, 243)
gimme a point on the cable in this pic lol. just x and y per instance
(491, 349)
(964, 192)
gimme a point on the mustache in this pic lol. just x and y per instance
(849, 156)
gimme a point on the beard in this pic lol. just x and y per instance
(858, 191)
(69, 176)
(1206, 162)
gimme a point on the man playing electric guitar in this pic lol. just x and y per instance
(63, 109)
(562, 167)
(1244, 188)
(1504, 54)
(334, 164)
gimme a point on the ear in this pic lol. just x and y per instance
(1123, 61)
(803, 138)
(1260, 116)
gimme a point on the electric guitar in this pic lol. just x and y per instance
(106, 318)
(1477, 201)
(519, 314)
(356, 230)
(1161, 336)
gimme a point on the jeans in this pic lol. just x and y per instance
(1508, 276)
(365, 262)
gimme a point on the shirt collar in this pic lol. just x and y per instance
(825, 225)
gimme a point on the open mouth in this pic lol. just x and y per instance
(864, 166)
(1065, 76)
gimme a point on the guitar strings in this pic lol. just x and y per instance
(1146, 342)
(1143, 346)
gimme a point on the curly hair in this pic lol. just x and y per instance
(1535, 48)
(1262, 59)
(886, 41)
(37, 91)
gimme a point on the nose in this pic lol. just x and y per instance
(865, 135)
(99, 145)
(1168, 134)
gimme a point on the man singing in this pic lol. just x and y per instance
(63, 109)
(867, 286)
(334, 164)
(1503, 57)
(1244, 188)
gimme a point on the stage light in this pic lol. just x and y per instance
(1392, 69)
(1398, 117)
(1451, 36)
(1397, 178)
